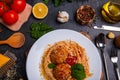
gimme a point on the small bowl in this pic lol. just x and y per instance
(85, 14)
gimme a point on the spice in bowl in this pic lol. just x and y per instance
(85, 14)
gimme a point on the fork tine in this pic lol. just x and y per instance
(114, 59)
(114, 52)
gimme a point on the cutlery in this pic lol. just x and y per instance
(16, 40)
(105, 27)
(114, 59)
(101, 43)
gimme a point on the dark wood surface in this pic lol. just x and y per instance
(71, 24)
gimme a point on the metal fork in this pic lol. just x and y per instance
(114, 59)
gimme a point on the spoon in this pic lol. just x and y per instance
(100, 42)
(16, 40)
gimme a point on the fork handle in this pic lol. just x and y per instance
(104, 64)
(117, 73)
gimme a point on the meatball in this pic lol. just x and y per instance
(58, 55)
(62, 71)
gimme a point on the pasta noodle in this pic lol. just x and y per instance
(57, 54)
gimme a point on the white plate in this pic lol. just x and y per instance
(37, 50)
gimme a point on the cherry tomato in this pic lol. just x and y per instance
(3, 8)
(71, 60)
(10, 17)
(18, 5)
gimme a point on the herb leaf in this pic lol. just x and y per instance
(39, 29)
(57, 2)
(77, 71)
(78, 67)
(79, 75)
(51, 65)
(46, 1)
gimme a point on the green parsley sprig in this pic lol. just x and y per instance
(57, 2)
(39, 29)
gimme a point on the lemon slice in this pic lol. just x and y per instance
(106, 8)
(106, 17)
(114, 9)
(40, 10)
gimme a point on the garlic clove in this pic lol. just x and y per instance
(62, 16)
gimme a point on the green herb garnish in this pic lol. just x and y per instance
(79, 75)
(78, 67)
(51, 65)
(77, 71)
(57, 2)
(46, 1)
(39, 29)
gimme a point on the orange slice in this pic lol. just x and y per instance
(40, 10)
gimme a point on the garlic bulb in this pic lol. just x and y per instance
(63, 16)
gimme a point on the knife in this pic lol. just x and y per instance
(105, 27)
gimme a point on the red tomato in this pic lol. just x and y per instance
(71, 60)
(18, 5)
(10, 17)
(3, 8)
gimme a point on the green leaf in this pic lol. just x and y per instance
(39, 29)
(77, 71)
(46, 1)
(51, 65)
(79, 75)
(57, 2)
(78, 67)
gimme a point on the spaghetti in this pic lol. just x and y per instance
(58, 54)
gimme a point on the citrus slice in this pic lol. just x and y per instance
(106, 17)
(106, 8)
(40, 10)
(114, 9)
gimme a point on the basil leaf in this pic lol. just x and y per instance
(78, 67)
(51, 65)
(79, 75)
(77, 71)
